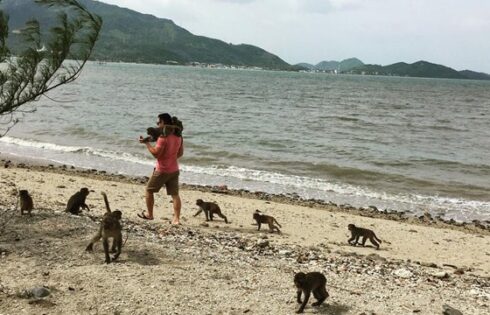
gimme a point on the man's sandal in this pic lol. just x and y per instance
(143, 216)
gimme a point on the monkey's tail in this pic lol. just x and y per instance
(343, 289)
(277, 223)
(18, 201)
(376, 238)
(127, 236)
(108, 208)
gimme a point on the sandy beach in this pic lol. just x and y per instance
(217, 268)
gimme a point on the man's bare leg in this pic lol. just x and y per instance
(177, 206)
(150, 201)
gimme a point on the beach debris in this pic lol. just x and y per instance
(449, 265)
(262, 243)
(375, 257)
(285, 252)
(448, 310)
(220, 189)
(430, 265)
(480, 292)
(441, 275)
(37, 293)
(403, 273)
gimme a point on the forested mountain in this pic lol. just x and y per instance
(134, 37)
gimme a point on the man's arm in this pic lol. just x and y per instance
(156, 150)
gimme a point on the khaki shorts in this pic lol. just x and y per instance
(170, 180)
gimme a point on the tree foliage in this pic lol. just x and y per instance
(48, 61)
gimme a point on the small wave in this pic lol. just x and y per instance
(347, 118)
(111, 155)
(447, 128)
(344, 172)
(453, 164)
(302, 183)
(392, 163)
(42, 145)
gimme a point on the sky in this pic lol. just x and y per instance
(455, 33)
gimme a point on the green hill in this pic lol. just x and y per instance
(421, 69)
(475, 75)
(134, 37)
(344, 65)
(348, 64)
(305, 65)
(327, 65)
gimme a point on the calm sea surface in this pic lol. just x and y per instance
(397, 143)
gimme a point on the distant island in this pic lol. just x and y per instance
(130, 36)
(333, 66)
(420, 69)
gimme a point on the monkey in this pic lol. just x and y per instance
(77, 201)
(26, 203)
(153, 134)
(110, 226)
(209, 209)
(114, 214)
(357, 232)
(262, 218)
(310, 282)
(179, 127)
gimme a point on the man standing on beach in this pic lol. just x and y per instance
(168, 149)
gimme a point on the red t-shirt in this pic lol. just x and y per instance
(167, 160)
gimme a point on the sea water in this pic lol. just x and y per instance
(405, 144)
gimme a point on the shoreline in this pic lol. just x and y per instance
(292, 199)
(461, 205)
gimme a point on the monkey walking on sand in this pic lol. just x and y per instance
(209, 209)
(357, 232)
(110, 227)
(262, 218)
(307, 283)
(25, 201)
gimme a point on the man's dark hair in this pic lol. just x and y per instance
(166, 118)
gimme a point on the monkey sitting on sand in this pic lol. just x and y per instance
(357, 232)
(25, 201)
(262, 218)
(77, 201)
(209, 209)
